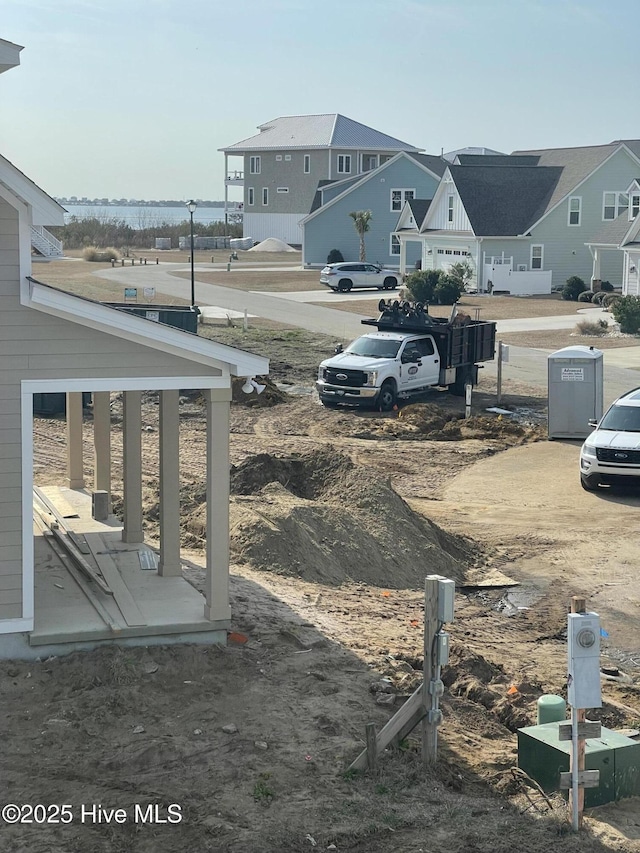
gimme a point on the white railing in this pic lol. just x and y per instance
(45, 242)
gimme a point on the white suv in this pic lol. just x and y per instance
(611, 454)
(344, 276)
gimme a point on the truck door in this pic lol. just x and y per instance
(425, 371)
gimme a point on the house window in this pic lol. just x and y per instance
(282, 190)
(278, 157)
(254, 165)
(307, 163)
(450, 209)
(395, 245)
(265, 196)
(575, 210)
(398, 198)
(344, 164)
(537, 257)
(251, 196)
(613, 204)
(287, 156)
(635, 206)
(369, 162)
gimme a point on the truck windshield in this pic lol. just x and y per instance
(622, 419)
(374, 348)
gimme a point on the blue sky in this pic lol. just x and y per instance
(134, 97)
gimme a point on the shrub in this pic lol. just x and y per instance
(462, 272)
(585, 296)
(598, 297)
(92, 253)
(606, 286)
(422, 284)
(609, 299)
(597, 328)
(573, 288)
(626, 311)
(335, 257)
(448, 290)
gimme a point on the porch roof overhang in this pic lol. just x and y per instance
(103, 318)
(44, 209)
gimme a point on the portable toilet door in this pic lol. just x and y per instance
(576, 391)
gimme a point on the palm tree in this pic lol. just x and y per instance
(361, 222)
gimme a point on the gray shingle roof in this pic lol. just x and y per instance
(612, 233)
(330, 130)
(430, 161)
(497, 160)
(577, 163)
(419, 207)
(632, 144)
(503, 201)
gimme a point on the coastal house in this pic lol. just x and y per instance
(383, 191)
(283, 164)
(55, 342)
(523, 220)
(621, 235)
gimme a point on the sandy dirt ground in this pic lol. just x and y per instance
(336, 518)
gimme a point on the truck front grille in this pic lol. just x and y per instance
(348, 378)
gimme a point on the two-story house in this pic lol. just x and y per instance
(285, 161)
(523, 221)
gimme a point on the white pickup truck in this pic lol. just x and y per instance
(409, 352)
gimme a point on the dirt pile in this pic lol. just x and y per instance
(271, 395)
(321, 518)
(432, 423)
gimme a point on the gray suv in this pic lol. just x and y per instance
(345, 276)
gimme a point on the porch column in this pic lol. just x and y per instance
(595, 277)
(403, 256)
(132, 466)
(169, 484)
(75, 468)
(217, 574)
(102, 442)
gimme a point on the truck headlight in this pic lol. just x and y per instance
(320, 373)
(589, 450)
(372, 377)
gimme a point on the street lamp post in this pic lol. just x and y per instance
(191, 207)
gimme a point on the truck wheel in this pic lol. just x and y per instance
(463, 376)
(387, 397)
(345, 285)
(589, 484)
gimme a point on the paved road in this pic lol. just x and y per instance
(621, 366)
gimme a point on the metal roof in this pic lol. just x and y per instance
(330, 130)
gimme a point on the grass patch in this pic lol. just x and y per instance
(598, 328)
(95, 255)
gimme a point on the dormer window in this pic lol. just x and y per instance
(450, 208)
(634, 206)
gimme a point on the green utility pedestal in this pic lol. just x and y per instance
(544, 756)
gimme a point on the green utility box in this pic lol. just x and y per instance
(544, 756)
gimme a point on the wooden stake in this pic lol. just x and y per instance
(429, 727)
(578, 750)
(372, 747)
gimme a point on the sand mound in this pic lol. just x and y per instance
(272, 244)
(271, 395)
(432, 423)
(321, 518)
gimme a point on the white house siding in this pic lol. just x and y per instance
(631, 283)
(439, 217)
(33, 346)
(333, 228)
(284, 226)
(564, 250)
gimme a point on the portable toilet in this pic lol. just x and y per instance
(576, 391)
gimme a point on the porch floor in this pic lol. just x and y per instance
(64, 613)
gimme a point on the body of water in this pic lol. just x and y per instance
(143, 216)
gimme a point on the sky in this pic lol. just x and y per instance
(133, 98)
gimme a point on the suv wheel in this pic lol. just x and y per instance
(589, 484)
(345, 285)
